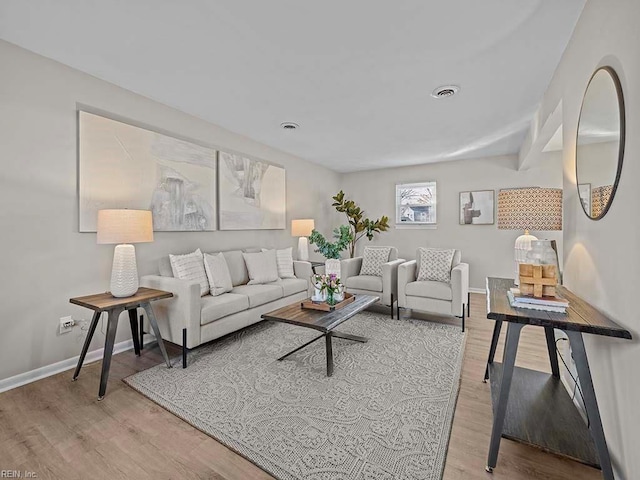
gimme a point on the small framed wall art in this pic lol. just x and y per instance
(416, 203)
(477, 208)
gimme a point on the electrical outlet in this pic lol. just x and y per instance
(66, 324)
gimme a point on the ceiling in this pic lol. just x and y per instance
(355, 75)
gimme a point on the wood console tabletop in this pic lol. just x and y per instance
(540, 411)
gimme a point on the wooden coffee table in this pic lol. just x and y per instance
(325, 322)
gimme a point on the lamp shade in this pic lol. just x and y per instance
(530, 208)
(125, 226)
(302, 227)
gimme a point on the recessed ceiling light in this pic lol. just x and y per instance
(289, 125)
(445, 91)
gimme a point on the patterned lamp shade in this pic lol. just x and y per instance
(530, 208)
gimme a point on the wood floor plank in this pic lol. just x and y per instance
(58, 429)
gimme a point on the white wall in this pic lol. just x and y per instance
(45, 259)
(488, 251)
(602, 259)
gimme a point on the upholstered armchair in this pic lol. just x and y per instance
(434, 289)
(374, 273)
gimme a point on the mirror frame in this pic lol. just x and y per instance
(618, 86)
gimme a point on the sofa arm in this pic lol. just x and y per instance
(390, 280)
(459, 288)
(350, 267)
(406, 274)
(180, 311)
(303, 270)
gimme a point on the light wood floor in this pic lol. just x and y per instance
(56, 428)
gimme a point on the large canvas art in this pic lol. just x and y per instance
(252, 193)
(122, 166)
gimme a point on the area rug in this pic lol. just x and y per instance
(385, 414)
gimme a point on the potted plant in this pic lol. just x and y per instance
(331, 250)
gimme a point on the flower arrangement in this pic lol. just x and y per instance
(329, 286)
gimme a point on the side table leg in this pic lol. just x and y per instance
(492, 350)
(133, 320)
(508, 364)
(87, 341)
(590, 402)
(112, 327)
(329, 354)
(141, 331)
(156, 331)
(551, 347)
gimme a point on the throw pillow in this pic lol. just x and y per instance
(372, 260)
(190, 267)
(435, 264)
(217, 274)
(284, 260)
(262, 267)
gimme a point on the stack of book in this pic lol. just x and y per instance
(548, 304)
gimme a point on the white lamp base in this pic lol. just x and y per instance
(303, 249)
(124, 272)
(522, 246)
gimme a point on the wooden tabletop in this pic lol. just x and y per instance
(101, 302)
(580, 316)
(323, 321)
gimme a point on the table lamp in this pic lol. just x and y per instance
(531, 208)
(302, 228)
(124, 227)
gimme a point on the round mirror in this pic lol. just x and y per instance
(600, 143)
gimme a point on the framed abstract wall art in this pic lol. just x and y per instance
(477, 207)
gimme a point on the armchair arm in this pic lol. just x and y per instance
(390, 280)
(180, 311)
(406, 274)
(350, 267)
(459, 288)
(303, 270)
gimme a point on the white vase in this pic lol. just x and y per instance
(332, 265)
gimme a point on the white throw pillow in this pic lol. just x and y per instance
(217, 274)
(262, 267)
(190, 267)
(372, 260)
(435, 264)
(284, 260)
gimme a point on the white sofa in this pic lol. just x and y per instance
(190, 320)
(437, 297)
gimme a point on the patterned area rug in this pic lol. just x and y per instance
(385, 414)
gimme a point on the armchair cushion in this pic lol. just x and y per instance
(429, 289)
(372, 260)
(214, 308)
(259, 294)
(435, 264)
(372, 283)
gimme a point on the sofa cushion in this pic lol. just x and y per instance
(365, 282)
(218, 274)
(262, 267)
(291, 286)
(435, 264)
(429, 289)
(190, 267)
(214, 308)
(259, 294)
(237, 267)
(372, 260)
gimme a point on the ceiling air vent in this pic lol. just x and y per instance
(445, 91)
(289, 126)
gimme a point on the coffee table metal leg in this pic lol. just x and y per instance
(348, 336)
(300, 348)
(329, 354)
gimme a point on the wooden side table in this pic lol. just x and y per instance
(105, 302)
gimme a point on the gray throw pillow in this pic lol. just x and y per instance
(435, 264)
(218, 274)
(262, 267)
(372, 260)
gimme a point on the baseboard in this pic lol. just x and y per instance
(478, 290)
(68, 364)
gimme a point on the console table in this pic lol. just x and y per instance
(534, 407)
(113, 306)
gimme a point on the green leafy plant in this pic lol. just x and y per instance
(342, 236)
(359, 225)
